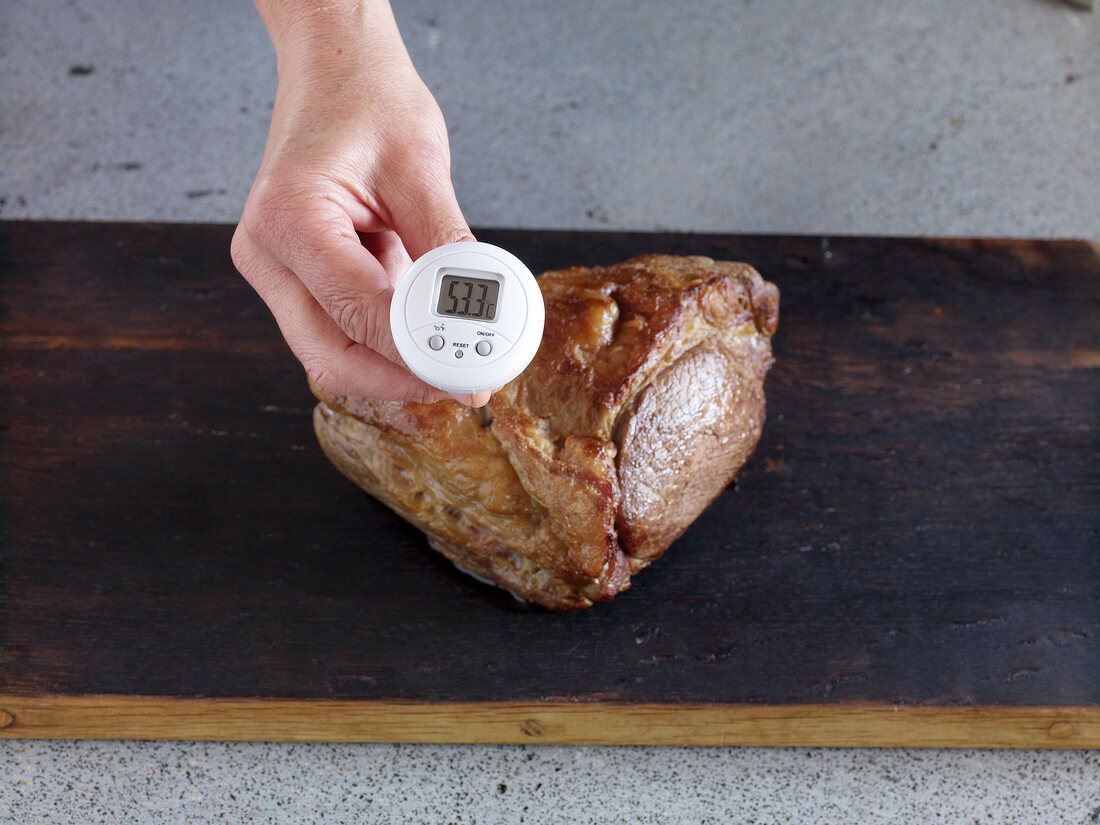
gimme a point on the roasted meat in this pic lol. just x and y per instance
(644, 400)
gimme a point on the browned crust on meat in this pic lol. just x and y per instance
(644, 400)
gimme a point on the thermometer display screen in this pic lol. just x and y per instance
(462, 297)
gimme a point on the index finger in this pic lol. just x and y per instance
(315, 237)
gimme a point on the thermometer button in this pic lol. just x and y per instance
(436, 342)
(484, 347)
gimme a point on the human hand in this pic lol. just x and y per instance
(354, 185)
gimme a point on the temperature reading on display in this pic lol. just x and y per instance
(474, 298)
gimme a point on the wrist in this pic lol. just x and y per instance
(309, 34)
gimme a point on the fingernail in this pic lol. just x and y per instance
(475, 399)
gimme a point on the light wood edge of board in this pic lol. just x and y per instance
(605, 723)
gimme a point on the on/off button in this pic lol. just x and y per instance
(483, 347)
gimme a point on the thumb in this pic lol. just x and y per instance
(425, 213)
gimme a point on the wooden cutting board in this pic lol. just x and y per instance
(909, 558)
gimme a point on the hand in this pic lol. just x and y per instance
(354, 185)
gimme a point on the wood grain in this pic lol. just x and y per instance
(610, 723)
(917, 528)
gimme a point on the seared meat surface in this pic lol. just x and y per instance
(644, 400)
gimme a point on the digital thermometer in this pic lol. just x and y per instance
(467, 317)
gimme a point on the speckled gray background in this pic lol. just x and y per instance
(120, 782)
(937, 117)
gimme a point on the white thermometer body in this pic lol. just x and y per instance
(467, 317)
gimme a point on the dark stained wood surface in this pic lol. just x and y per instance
(917, 526)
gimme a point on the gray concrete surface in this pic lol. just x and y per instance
(200, 783)
(215, 782)
(937, 117)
